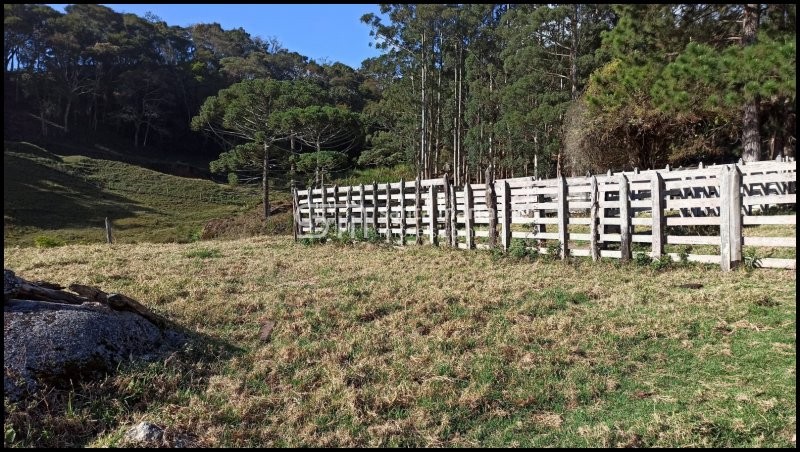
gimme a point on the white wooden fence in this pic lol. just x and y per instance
(608, 215)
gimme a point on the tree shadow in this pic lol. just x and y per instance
(40, 191)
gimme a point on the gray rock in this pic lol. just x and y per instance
(57, 343)
(145, 432)
(10, 284)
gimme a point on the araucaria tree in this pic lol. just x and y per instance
(241, 117)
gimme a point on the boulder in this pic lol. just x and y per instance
(57, 343)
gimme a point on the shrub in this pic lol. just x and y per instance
(642, 259)
(663, 262)
(45, 241)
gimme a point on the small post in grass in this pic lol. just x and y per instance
(109, 237)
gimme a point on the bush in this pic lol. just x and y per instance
(233, 179)
(45, 241)
(642, 259)
(518, 249)
(554, 250)
(662, 263)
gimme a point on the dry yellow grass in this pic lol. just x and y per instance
(416, 346)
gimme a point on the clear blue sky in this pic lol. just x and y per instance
(320, 32)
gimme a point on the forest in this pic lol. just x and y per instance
(523, 89)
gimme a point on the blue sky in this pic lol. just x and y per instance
(321, 32)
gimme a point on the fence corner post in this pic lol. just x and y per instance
(506, 217)
(491, 206)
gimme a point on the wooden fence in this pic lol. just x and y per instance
(711, 209)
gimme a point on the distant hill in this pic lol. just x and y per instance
(66, 198)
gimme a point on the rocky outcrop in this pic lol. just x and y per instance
(58, 342)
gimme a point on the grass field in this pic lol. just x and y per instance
(417, 346)
(65, 200)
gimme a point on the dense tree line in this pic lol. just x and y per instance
(521, 89)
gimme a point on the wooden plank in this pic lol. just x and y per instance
(788, 242)
(453, 216)
(374, 206)
(433, 216)
(311, 214)
(769, 219)
(469, 216)
(625, 219)
(402, 212)
(563, 214)
(693, 240)
(295, 213)
(771, 262)
(701, 258)
(363, 210)
(725, 219)
(735, 215)
(505, 217)
(336, 210)
(448, 210)
(491, 204)
(657, 209)
(418, 210)
(692, 221)
(325, 209)
(594, 250)
(673, 204)
(388, 213)
(770, 199)
(349, 213)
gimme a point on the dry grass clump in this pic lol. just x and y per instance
(417, 346)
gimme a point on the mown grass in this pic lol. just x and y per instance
(66, 199)
(418, 346)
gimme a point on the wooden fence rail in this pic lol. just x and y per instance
(714, 210)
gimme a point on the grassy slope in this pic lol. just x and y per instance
(67, 198)
(423, 346)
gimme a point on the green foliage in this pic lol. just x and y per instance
(204, 253)
(554, 249)
(233, 179)
(751, 259)
(46, 241)
(683, 254)
(662, 262)
(523, 249)
(642, 259)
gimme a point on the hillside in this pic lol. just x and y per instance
(66, 198)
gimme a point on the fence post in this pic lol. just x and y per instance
(295, 212)
(563, 217)
(324, 207)
(375, 207)
(593, 249)
(388, 213)
(491, 206)
(418, 210)
(433, 216)
(505, 218)
(469, 216)
(109, 237)
(735, 185)
(336, 211)
(311, 213)
(624, 219)
(725, 211)
(363, 199)
(453, 216)
(402, 211)
(659, 222)
(448, 210)
(349, 213)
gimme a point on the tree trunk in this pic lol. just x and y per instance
(573, 53)
(66, 116)
(751, 136)
(265, 181)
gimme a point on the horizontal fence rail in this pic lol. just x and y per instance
(706, 214)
